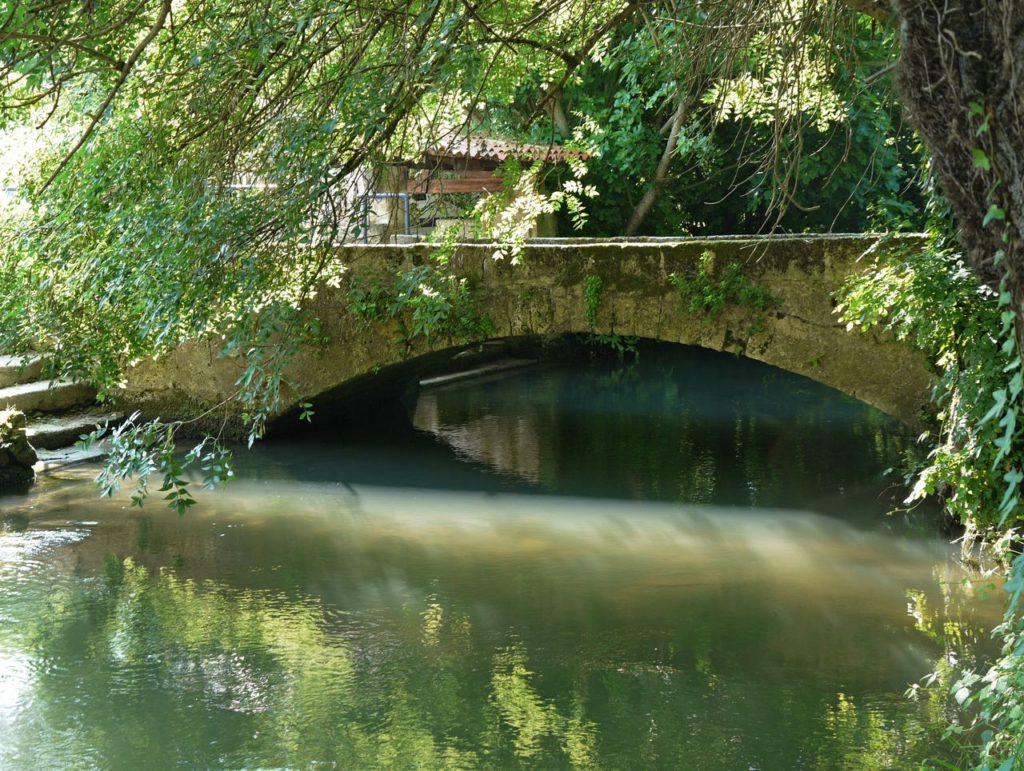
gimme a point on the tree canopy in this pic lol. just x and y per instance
(184, 169)
(146, 122)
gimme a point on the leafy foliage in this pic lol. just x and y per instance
(592, 298)
(199, 161)
(509, 216)
(930, 298)
(710, 290)
(769, 143)
(995, 700)
(620, 345)
(928, 295)
(424, 301)
(141, 449)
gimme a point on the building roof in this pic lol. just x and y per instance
(481, 148)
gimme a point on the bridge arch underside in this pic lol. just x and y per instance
(388, 393)
(624, 289)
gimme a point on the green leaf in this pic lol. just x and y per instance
(1005, 442)
(1016, 383)
(1000, 402)
(1009, 503)
(994, 213)
(981, 160)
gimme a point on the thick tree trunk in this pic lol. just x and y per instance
(961, 74)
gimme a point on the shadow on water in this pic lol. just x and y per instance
(681, 424)
(597, 568)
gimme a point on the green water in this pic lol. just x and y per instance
(684, 564)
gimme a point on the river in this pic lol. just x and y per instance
(684, 562)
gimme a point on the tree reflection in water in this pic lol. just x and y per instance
(245, 677)
(682, 565)
(681, 424)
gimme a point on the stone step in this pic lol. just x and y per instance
(19, 369)
(47, 396)
(57, 431)
(51, 460)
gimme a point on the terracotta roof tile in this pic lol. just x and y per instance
(487, 148)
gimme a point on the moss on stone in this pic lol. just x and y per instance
(16, 455)
(545, 295)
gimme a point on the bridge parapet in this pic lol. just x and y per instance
(778, 308)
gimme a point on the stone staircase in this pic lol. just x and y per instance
(58, 411)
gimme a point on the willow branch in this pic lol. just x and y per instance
(513, 40)
(622, 16)
(129, 65)
(68, 43)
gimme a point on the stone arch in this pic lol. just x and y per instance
(547, 295)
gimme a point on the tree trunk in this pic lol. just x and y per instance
(558, 117)
(643, 208)
(961, 74)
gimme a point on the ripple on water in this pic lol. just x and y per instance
(28, 563)
(427, 614)
(17, 546)
(28, 575)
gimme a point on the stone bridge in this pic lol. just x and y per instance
(632, 293)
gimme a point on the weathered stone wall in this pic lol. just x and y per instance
(544, 295)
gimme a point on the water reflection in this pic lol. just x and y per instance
(682, 425)
(584, 581)
(387, 628)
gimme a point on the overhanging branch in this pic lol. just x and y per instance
(129, 65)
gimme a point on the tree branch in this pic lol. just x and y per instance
(513, 40)
(576, 60)
(643, 208)
(58, 43)
(129, 64)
